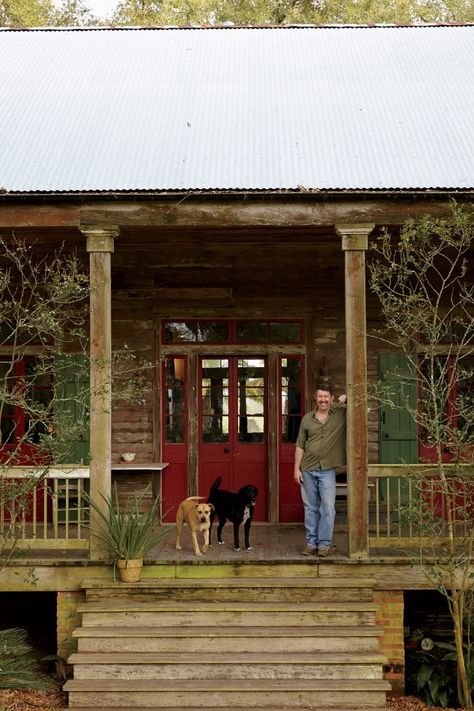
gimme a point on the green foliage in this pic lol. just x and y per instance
(25, 13)
(35, 13)
(277, 12)
(127, 531)
(43, 13)
(436, 681)
(72, 13)
(423, 281)
(43, 311)
(18, 668)
(426, 295)
(436, 677)
(45, 389)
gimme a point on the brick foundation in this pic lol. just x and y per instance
(68, 619)
(390, 618)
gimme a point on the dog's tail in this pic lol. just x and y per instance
(195, 498)
(215, 485)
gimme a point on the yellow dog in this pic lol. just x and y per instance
(198, 517)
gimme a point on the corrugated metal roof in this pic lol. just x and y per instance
(380, 108)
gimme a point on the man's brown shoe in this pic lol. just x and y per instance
(309, 550)
(323, 551)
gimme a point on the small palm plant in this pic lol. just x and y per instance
(18, 668)
(128, 531)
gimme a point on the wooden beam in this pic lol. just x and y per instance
(354, 243)
(277, 211)
(309, 212)
(245, 350)
(16, 216)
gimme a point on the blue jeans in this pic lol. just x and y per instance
(318, 492)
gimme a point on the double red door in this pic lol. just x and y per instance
(233, 425)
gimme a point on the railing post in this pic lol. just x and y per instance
(100, 245)
(354, 245)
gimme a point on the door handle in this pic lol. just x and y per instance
(226, 450)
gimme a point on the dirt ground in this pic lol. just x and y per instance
(412, 703)
(28, 700)
(25, 700)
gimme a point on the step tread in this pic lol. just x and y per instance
(150, 583)
(130, 605)
(232, 708)
(238, 685)
(140, 658)
(227, 631)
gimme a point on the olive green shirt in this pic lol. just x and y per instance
(324, 443)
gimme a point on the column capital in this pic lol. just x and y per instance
(355, 236)
(100, 238)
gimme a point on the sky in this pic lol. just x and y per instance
(101, 8)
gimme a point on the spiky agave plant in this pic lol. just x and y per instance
(128, 531)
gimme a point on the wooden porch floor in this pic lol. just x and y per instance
(270, 542)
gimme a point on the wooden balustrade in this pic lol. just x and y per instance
(55, 515)
(402, 492)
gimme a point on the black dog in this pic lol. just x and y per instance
(238, 508)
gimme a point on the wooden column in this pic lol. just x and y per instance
(354, 245)
(100, 245)
(272, 441)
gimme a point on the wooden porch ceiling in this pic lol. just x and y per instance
(170, 263)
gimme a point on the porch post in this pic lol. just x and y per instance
(354, 245)
(100, 245)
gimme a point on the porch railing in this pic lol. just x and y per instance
(397, 497)
(55, 515)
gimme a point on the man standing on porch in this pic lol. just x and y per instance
(320, 448)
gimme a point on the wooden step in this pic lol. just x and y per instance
(130, 613)
(182, 694)
(227, 665)
(280, 707)
(229, 638)
(238, 643)
(239, 589)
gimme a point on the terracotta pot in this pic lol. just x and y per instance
(130, 570)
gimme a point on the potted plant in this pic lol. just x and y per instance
(128, 531)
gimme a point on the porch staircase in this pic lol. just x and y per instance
(236, 644)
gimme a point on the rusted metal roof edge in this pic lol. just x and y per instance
(363, 194)
(151, 28)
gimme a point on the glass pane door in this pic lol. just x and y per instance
(233, 436)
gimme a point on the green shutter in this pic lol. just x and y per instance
(72, 407)
(398, 431)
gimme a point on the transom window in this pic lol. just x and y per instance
(244, 332)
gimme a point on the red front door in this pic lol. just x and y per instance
(233, 425)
